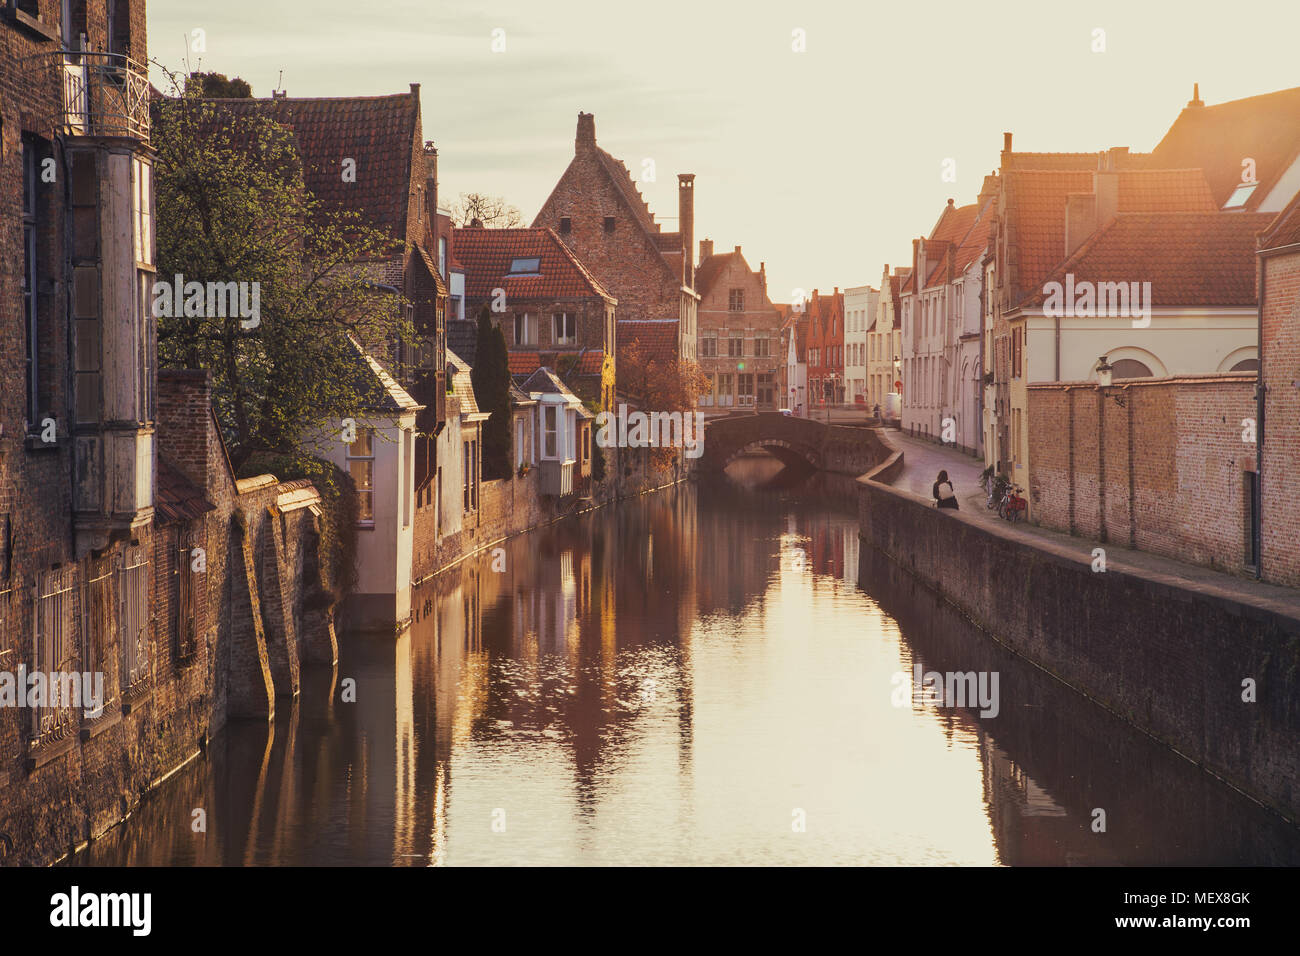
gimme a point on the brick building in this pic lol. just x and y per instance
(1049, 205)
(553, 312)
(1279, 405)
(739, 345)
(597, 211)
(825, 349)
(394, 189)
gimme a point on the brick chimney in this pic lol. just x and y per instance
(431, 184)
(183, 435)
(585, 141)
(1196, 96)
(686, 220)
(1105, 185)
(706, 249)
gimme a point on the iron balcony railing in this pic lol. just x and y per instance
(103, 94)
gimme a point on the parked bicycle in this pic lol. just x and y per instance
(1013, 505)
(994, 486)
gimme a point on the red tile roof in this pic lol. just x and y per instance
(656, 338)
(522, 363)
(1190, 259)
(1285, 229)
(954, 222)
(1217, 138)
(487, 254)
(1037, 199)
(378, 132)
(1119, 155)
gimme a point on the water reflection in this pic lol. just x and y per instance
(698, 676)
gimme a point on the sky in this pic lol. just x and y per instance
(823, 163)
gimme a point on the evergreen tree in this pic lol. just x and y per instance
(491, 379)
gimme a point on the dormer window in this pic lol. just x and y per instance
(1240, 195)
(525, 266)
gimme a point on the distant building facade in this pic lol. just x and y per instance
(739, 346)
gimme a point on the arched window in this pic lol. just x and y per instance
(1129, 368)
(1246, 365)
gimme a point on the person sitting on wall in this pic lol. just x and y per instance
(944, 496)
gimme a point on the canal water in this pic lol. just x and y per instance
(712, 674)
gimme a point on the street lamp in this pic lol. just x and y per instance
(1104, 377)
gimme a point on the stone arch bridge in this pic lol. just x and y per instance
(795, 441)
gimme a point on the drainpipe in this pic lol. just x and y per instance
(1057, 322)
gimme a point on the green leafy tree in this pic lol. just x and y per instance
(490, 377)
(216, 85)
(233, 208)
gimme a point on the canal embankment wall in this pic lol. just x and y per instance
(1172, 659)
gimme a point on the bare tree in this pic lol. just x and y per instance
(491, 211)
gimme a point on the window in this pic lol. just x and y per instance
(465, 473)
(550, 427)
(55, 647)
(1017, 351)
(1246, 365)
(525, 266)
(85, 313)
(736, 300)
(763, 347)
(184, 619)
(725, 380)
(564, 328)
(520, 448)
(709, 346)
(746, 388)
(361, 466)
(609, 223)
(142, 210)
(766, 388)
(566, 224)
(1239, 196)
(144, 347)
(525, 330)
(736, 345)
(135, 617)
(442, 257)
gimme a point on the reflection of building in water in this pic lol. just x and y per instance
(1029, 827)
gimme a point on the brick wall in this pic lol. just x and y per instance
(625, 261)
(1280, 370)
(1169, 475)
(1167, 659)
